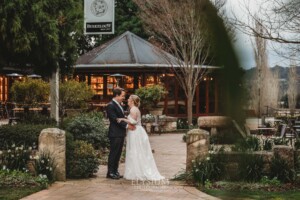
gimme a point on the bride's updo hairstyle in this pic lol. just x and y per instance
(135, 99)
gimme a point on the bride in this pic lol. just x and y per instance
(139, 162)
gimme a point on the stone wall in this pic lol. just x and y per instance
(165, 124)
(198, 146)
(213, 123)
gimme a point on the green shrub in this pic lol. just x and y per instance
(226, 136)
(281, 141)
(74, 94)
(211, 168)
(266, 181)
(182, 124)
(30, 91)
(89, 127)
(250, 167)
(248, 144)
(82, 161)
(37, 119)
(151, 95)
(280, 169)
(267, 145)
(20, 134)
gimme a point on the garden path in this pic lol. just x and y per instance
(170, 156)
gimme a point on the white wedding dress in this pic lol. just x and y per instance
(139, 162)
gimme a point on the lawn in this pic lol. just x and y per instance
(253, 195)
(252, 191)
(17, 193)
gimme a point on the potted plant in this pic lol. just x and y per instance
(150, 96)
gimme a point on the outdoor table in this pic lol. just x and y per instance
(266, 130)
(19, 110)
(99, 106)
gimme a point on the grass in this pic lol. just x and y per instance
(253, 191)
(253, 195)
(17, 193)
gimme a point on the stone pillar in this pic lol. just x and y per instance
(286, 153)
(197, 146)
(53, 140)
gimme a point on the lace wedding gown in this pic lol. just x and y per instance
(139, 162)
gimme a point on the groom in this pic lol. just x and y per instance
(116, 132)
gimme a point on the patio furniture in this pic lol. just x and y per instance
(9, 108)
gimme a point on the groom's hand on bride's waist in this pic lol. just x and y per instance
(131, 127)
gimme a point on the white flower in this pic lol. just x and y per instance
(36, 157)
(208, 158)
(44, 176)
(42, 161)
(30, 157)
(4, 167)
(50, 169)
(17, 148)
(13, 145)
(29, 148)
(8, 151)
(12, 155)
(193, 161)
(1, 152)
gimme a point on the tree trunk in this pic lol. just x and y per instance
(54, 93)
(190, 108)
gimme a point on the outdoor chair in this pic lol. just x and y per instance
(10, 113)
(282, 128)
(2, 112)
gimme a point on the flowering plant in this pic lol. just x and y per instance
(148, 118)
(44, 166)
(15, 157)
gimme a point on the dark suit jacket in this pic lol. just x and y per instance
(113, 112)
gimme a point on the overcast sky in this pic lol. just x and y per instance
(243, 44)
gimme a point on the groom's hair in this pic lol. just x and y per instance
(117, 91)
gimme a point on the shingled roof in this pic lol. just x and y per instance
(126, 50)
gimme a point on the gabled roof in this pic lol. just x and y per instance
(126, 50)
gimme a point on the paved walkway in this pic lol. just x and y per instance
(170, 156)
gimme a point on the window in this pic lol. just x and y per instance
(128, 83)
(150, 80)
(111, 83)
(202, 97)
(97, 84)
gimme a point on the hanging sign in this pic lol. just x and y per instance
(99, 16)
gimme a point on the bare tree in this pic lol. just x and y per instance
(265, 88)
(180, 27)
(279, 18)
(292, 91)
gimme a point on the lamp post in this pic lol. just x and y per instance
(118, 77)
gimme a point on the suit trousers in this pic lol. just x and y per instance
(116, 146)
